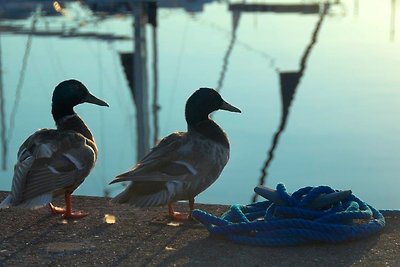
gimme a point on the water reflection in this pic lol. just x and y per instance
(235, 25)
(289, 82)
(7, 135)
(155, 106)
(281, 8)
(392, 20)
(2, 118)
(230, 46)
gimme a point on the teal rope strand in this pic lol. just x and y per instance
(293, 223)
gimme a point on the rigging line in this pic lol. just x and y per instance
(239, 42)
(101, 117)
(392, 21)
(178, 69)
(285, 112)
(4, 146)
(235, 21)
(118, 80)
(104, 74)
(124, 108)
(36, 70)
(52, 55)
(303, 61)
(22, 75)
(55, 59)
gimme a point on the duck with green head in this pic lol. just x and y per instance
(53, 162)
(183, 164)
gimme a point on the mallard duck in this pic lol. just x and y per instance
(54, 162)
(183, 164)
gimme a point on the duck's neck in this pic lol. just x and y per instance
(59, 111)
(210, 130)
(195, 115)
(67, 120)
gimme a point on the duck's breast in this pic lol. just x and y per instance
(208, 159)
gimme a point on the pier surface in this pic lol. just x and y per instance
(148, 238)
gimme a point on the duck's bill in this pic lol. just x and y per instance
(94, 100)
(229, 107)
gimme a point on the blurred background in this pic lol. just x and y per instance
(317, 83)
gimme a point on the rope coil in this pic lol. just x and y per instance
(311, 214)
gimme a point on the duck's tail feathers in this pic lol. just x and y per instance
(122, 197)
(37, 202)
(21, 169)
(6, 203)
(160, 198)
(146, 178)
(118, 180)
(33, 203)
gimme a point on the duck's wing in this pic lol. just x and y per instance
(163, 163)
(49, 161)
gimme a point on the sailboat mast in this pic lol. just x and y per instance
(2, 118)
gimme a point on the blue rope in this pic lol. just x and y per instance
(269, 224)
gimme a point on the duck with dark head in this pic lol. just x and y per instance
(53, 162)
(183, 164)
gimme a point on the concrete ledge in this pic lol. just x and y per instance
(146, 238)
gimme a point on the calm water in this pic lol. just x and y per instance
(342, 129)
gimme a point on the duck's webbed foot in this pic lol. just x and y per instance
(75, 215)
(67, 212)
(56, 210)
(181, 216)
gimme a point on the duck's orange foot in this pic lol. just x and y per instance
(56, 210)
(180, 216)
(67, 214)
(75, 215)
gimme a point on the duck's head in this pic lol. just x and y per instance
(70, 93)
(204, 101)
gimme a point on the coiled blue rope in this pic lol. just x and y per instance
(293, 222)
